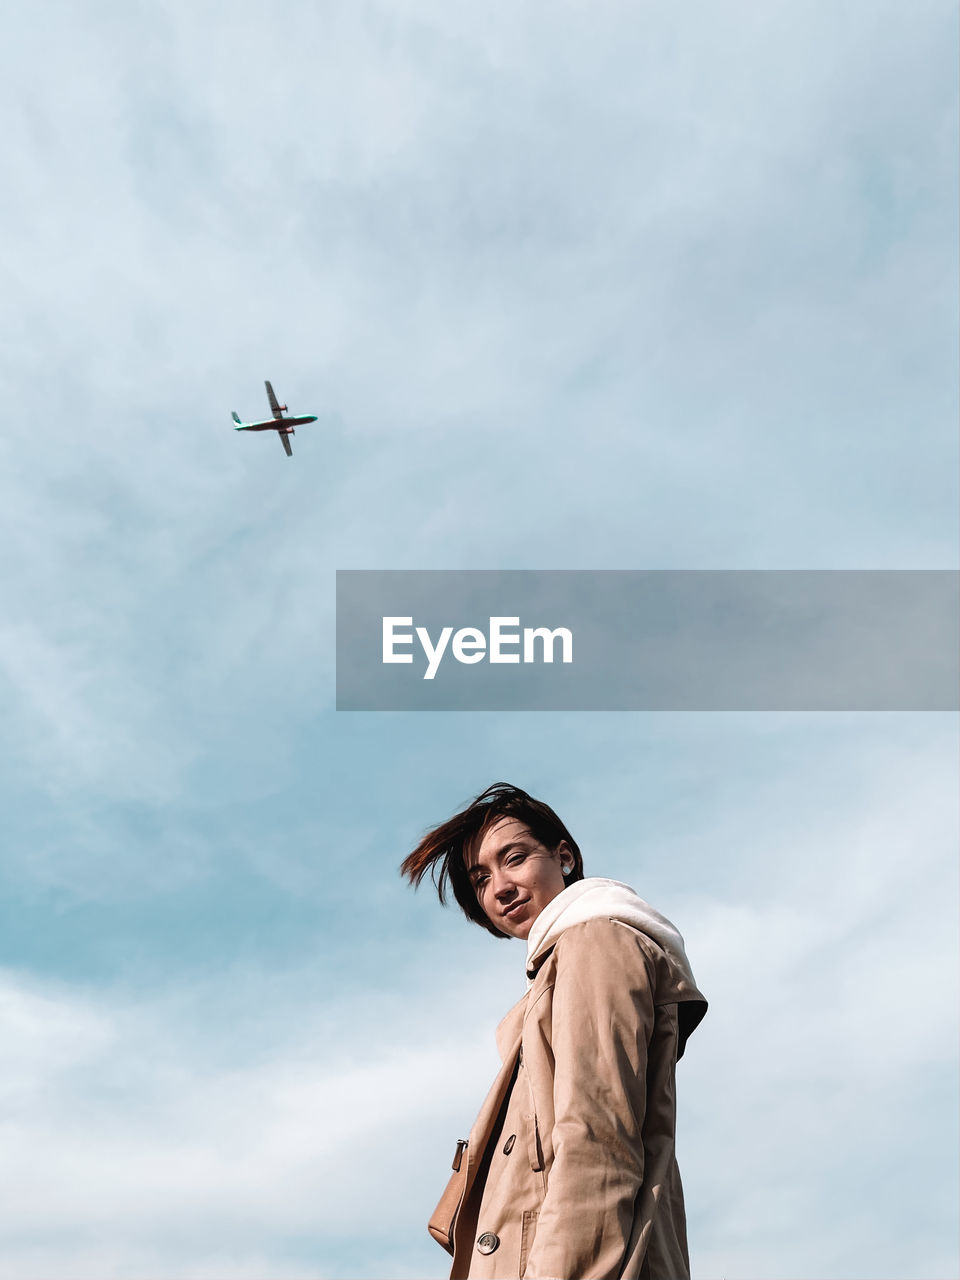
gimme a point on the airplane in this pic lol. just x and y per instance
(283, 426)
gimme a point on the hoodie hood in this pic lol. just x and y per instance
(597, 897)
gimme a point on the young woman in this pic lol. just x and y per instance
(569, 1172)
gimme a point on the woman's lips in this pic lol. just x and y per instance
(516, 907)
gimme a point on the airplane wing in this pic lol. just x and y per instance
(285, 440)
(276, 407)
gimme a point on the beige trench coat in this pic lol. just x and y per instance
(571, 1172)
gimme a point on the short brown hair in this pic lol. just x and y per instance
(443, 851)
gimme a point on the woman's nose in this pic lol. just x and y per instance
(503, 885)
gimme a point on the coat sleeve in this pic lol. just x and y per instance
(603, 1014)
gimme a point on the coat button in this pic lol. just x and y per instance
(488, 1242)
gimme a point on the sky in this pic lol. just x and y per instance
(568, 287)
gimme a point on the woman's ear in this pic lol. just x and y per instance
(566, 857)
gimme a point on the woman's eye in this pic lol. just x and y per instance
(515, 858)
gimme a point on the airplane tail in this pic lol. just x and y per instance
(236, 417)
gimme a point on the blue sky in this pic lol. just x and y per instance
(618, 286)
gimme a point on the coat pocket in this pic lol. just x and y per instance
(534, 1149)
(532, 1127)
(527, 1231)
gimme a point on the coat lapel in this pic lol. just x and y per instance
(509, 1035)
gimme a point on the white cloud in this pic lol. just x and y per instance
(829, 1054)
(122, 1128)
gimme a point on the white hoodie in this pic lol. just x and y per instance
(598, 897)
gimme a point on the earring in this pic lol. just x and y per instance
(566, 870)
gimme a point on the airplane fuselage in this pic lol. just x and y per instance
(277, 424)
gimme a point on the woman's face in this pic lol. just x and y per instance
(514, 876)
